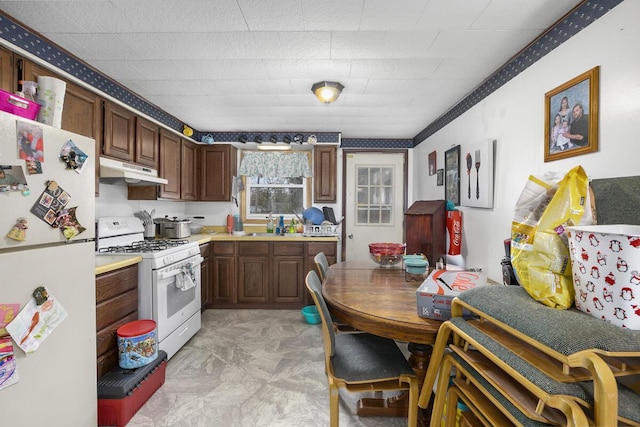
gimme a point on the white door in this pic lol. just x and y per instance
(374, 202)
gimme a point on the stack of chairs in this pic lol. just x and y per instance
(519, 362)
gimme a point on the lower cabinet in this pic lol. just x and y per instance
(116, 304)
(264, 274)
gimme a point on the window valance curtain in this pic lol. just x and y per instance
(288, 165)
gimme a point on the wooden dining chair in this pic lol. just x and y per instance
(361, 362)
(322, 265)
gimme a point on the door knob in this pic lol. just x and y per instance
(350, 235)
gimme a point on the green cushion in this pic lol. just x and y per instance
(566, 331)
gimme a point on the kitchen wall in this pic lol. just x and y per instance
(514, 117)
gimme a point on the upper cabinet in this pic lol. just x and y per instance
(170, 150)
(129, 137)
(147, 143)
(217, 169)
(188, 170)
(6, 70)
(324, 173)
(81, 111)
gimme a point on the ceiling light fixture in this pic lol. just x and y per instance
(327, 92)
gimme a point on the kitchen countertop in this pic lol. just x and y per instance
(289, 237)
(107, 263)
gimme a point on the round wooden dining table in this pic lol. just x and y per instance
(381, 301)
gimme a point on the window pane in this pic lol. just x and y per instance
(385, 216)
(278, 201)
(363, 176)
(374, 214)
(362, 196)
(363, 217)
(374, 175)
(387, 176)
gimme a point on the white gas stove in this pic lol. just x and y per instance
(168, 278)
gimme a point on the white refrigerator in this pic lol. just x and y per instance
(47, 230)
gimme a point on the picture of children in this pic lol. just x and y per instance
(559, 142)
(30, 142)
(12, 178)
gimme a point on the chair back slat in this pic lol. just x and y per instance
(322, 265)
(315, 287)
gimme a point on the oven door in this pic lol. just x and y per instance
(176, 296)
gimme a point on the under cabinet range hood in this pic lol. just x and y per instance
(118, 171)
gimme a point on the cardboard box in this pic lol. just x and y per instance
(434, 296)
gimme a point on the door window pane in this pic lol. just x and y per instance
(374, 195)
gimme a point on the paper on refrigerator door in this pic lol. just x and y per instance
(36, 322)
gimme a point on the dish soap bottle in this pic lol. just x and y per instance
(270, 224)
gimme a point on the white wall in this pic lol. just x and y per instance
(514, 116)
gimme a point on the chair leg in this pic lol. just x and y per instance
(434, 364)
(441, 392)
(334, 405)
(414, 390)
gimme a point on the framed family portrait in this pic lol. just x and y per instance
(432, 163)
(571, 117)
(452, 175)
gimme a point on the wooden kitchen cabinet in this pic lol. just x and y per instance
(224, 274)
(253, 272)
(264, 274)
(170, 150)
(324, 173)
(119, 132)
(129, 137)
(217, 169)
(81, 112)
(147, 147)
(206, 282)
(116, 305)
(188, 170)
(288, 269)
(7, 82)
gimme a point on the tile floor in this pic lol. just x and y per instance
(248, 368)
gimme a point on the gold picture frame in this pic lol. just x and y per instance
(571, 117)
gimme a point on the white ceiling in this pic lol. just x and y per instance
(248, 65)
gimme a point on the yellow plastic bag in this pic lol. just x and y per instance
(539, 246)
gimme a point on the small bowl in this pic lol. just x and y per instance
(311, 314)
(416, 266)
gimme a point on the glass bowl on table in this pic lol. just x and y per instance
(386, 254)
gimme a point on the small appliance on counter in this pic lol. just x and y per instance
(174, 228)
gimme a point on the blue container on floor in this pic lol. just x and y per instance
(311, 314)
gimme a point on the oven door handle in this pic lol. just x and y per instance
(168, 274)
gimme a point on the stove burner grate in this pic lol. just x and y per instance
(144, 246)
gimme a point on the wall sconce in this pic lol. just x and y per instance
(327, 92)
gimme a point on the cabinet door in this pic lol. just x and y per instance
(324, 173)
(6, 70)
(217, 167)
(119, 132)
(189, 171)
(224, 273)
(147, 143)
(288, 280)
(170, 149)
(253, 272)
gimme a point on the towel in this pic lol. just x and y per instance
(186, 279)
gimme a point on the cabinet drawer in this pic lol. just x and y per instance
(116, 282)
(253, 248)
(110, 311)
(288, 248)
(314, 248)
(205, 249)
(224, 248)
